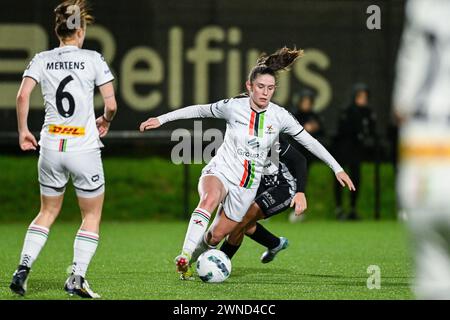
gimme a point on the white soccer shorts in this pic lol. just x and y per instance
(237, 200)
(84, 167)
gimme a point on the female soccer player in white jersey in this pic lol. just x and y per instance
(422, 104)
(69, 143)
(282, 184)
(232, 177)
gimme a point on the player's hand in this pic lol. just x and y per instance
(345, 180)
(102, 126)
(299, 201)
(27, 141)
(151, 123)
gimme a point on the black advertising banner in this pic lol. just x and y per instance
(166, 54)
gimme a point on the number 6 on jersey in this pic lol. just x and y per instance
(61, 94)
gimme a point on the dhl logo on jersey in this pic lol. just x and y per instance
(66, 130)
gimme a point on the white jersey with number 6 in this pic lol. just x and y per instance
(68, 76)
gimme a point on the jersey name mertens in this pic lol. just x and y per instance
(68, 76)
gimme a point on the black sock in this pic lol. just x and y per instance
(265, 237)
(22, 267)
(229, 249)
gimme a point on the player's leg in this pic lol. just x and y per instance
(35, 239)
(211, 192)
(88, 179)
(235, 206)
(431, 255)
(274, 244)
(429, 225)
(205, 241)
(85, 245)
(219, 229)
(234, 240)
(52, 178)
(38, 230)
(270, 203)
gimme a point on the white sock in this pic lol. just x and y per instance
(83, 250)
(197, 227)
(201, 247)
(34, 241)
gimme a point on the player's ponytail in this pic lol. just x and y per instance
(271, 64)
(65, 24)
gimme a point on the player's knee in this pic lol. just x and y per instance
(250, 230)
(215, 237)
(234, 239)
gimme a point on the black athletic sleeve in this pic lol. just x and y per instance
(295, 162)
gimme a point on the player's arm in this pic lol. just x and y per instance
(411, 69)
(104, 121)
(213, 110)
(26, 139)
(296, 163)
(317, 149)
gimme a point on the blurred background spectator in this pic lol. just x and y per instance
(356, 135)
(312, 122)
(306, 115)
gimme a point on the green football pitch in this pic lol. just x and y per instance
(325, 260)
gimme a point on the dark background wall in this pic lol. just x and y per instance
(167, 54)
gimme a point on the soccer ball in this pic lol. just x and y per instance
(213, 266)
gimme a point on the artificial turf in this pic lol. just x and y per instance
(134, 260)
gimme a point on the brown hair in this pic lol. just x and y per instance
(271, 64)
(63, 12)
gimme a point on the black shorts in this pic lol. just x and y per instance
(275, 199)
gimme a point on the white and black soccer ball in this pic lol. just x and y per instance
(213, 266)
